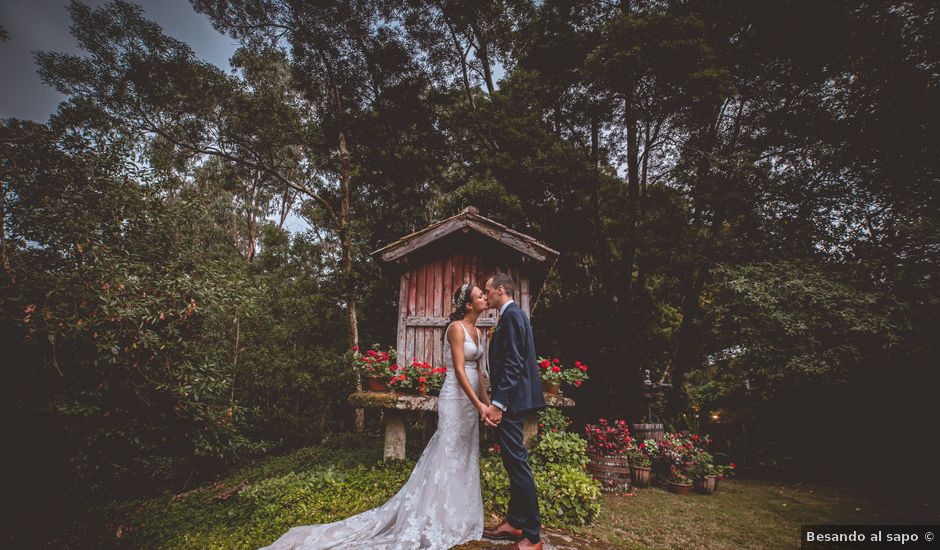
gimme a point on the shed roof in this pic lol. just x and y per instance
(468, 220)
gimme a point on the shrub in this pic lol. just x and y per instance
(552, 420)
(559, 448)
(567, 494)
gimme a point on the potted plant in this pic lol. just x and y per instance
(678, 481)
(376, 365)
(703, 472)
(553, 373)
(607, 446)
(641, 467)
(675, 450)
(722, 471)
(550, 374)
(417, 378)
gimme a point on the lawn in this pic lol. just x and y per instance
(255, 504)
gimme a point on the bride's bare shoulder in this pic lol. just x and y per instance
(454, 332)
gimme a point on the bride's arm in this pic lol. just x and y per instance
(484, 377)
(455, 336)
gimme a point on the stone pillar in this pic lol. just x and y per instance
(530, 427)
(394, 434)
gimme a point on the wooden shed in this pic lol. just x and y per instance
(432, 263)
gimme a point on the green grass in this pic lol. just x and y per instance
(345, 475)
(742, 514)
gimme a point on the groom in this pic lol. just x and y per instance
(516, 391)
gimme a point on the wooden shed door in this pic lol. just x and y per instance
(424, 304)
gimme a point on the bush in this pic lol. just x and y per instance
(552, 420)
(567, 494)
(559, 448)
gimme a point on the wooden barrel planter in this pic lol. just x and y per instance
(678, 488)
(640, 476)
(612, 471)
(642, 432)
(706, 485)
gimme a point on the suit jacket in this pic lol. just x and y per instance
(513, 371)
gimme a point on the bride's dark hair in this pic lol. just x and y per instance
(459, 301)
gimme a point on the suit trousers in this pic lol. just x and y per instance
(523, 497)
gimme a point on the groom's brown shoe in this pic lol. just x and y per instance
(524, 544)
(504, 531)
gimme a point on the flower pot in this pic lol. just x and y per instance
(411, 391)
(642, 432)
(640, 475)
(706, 485)
(377, 383)
(551, 388)
(612, 471)
(679, 488)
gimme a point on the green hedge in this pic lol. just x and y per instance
(567, 494)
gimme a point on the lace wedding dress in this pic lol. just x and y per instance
(441, 504)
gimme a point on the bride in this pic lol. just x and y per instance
(440, 505)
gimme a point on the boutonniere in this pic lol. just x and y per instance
(492, 331)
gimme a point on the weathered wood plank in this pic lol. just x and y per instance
(447, 278)
(437, 268)
(509, 239)
(428, 344)
(430, 321)
(445, 228)
(421, 308)
(438, 359)
(428, 290)
(526, 295)
(405, 359)
(402, 313)
(412, 296)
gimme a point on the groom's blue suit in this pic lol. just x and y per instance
(514, 377)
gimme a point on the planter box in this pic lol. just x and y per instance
(612, 471)
(640, 476)
(377, 383)
(678, 488)
(706, 485)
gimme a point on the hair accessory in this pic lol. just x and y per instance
(460, 298)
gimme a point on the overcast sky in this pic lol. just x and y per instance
(36, 25)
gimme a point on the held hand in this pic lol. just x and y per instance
(494, 415)
(481, 408)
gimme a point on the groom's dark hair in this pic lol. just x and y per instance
(505, 281)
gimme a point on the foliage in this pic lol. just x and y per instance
(559, 448)
(605, 439)
(679, 475)
(374, 363)
(553, 419)
(554, 372)
(419, 376)
(638, 457)
(567, 495)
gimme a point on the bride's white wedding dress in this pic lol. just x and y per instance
(441, 504)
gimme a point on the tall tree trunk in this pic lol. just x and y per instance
(346, 240)
(483, 54)
(633, 193)
(703, 197)
(4, 258)
(641, 267)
